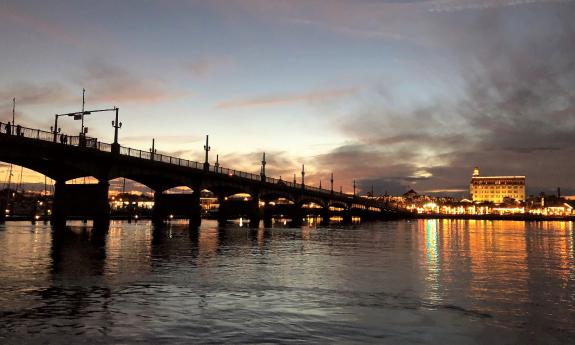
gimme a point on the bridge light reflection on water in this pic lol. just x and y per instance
(432, 260)
(429, 280)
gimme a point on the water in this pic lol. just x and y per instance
(404, 282)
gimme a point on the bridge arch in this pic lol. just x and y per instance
(85, 180)
(180, 190)
(277, 195)
(335, 205)
(228, 190)
(16, 168)
(47, 168)
(311, 201)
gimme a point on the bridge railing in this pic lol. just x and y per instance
(93, 143)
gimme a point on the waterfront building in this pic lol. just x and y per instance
(496, 189)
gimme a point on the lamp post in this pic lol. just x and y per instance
(117, 125)
(331, 180)
(13, 115)
(263, 172)
(302, 176)
(207, 148)
(79, 115)
(153, 149)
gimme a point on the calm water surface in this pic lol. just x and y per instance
(405, 282)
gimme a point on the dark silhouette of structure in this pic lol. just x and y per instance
(74, 157)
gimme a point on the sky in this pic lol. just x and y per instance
(395, 94)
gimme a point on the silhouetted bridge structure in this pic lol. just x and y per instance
(66, 158)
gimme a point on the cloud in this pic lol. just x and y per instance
(508, 106)
(208, 66)
(31, 93)
(108, 83)
(172, 139)
(280, 99)
(39, 25)
(467, 5)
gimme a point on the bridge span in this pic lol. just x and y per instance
(63, 158)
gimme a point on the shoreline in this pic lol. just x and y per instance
(514, 217)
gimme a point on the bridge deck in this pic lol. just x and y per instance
(91, 144)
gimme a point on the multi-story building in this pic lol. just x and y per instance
(496, 188)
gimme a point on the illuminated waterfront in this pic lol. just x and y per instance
(421, 281)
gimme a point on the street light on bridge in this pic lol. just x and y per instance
(79, 115)
(207, 148)
(331, 180)
(263, 172)
(302, 176)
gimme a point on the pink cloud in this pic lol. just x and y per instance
(110, 83)
(279, 99)
(39, 25)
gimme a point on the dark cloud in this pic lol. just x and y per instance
(509, 108)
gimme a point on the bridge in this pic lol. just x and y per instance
(63, 158)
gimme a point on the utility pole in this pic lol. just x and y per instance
(207, 148)
(217, 165)
(353, 187)
(302, 176)
(320, 184)
(294, 181)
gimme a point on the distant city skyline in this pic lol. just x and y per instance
(394, 94)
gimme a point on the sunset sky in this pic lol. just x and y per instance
(397, 94)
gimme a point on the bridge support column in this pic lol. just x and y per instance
(254, 212)
(196, 209)
(325, 214)
(85, 201)
(268, 213)
(296, 215)
(102, 206)
(222, 210)
(58, 218)
(158, 216)
(347, 217)
(3, 207)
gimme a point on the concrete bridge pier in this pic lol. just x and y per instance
(196, 209)
(254, 212)
(101, 206)
(222, 210)
(297, 215)
(347, 217)
(82, 200)
(58, 218)
(158, 217)
(185, 206)
(3, 207)
(325, 215)
(267, 215)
